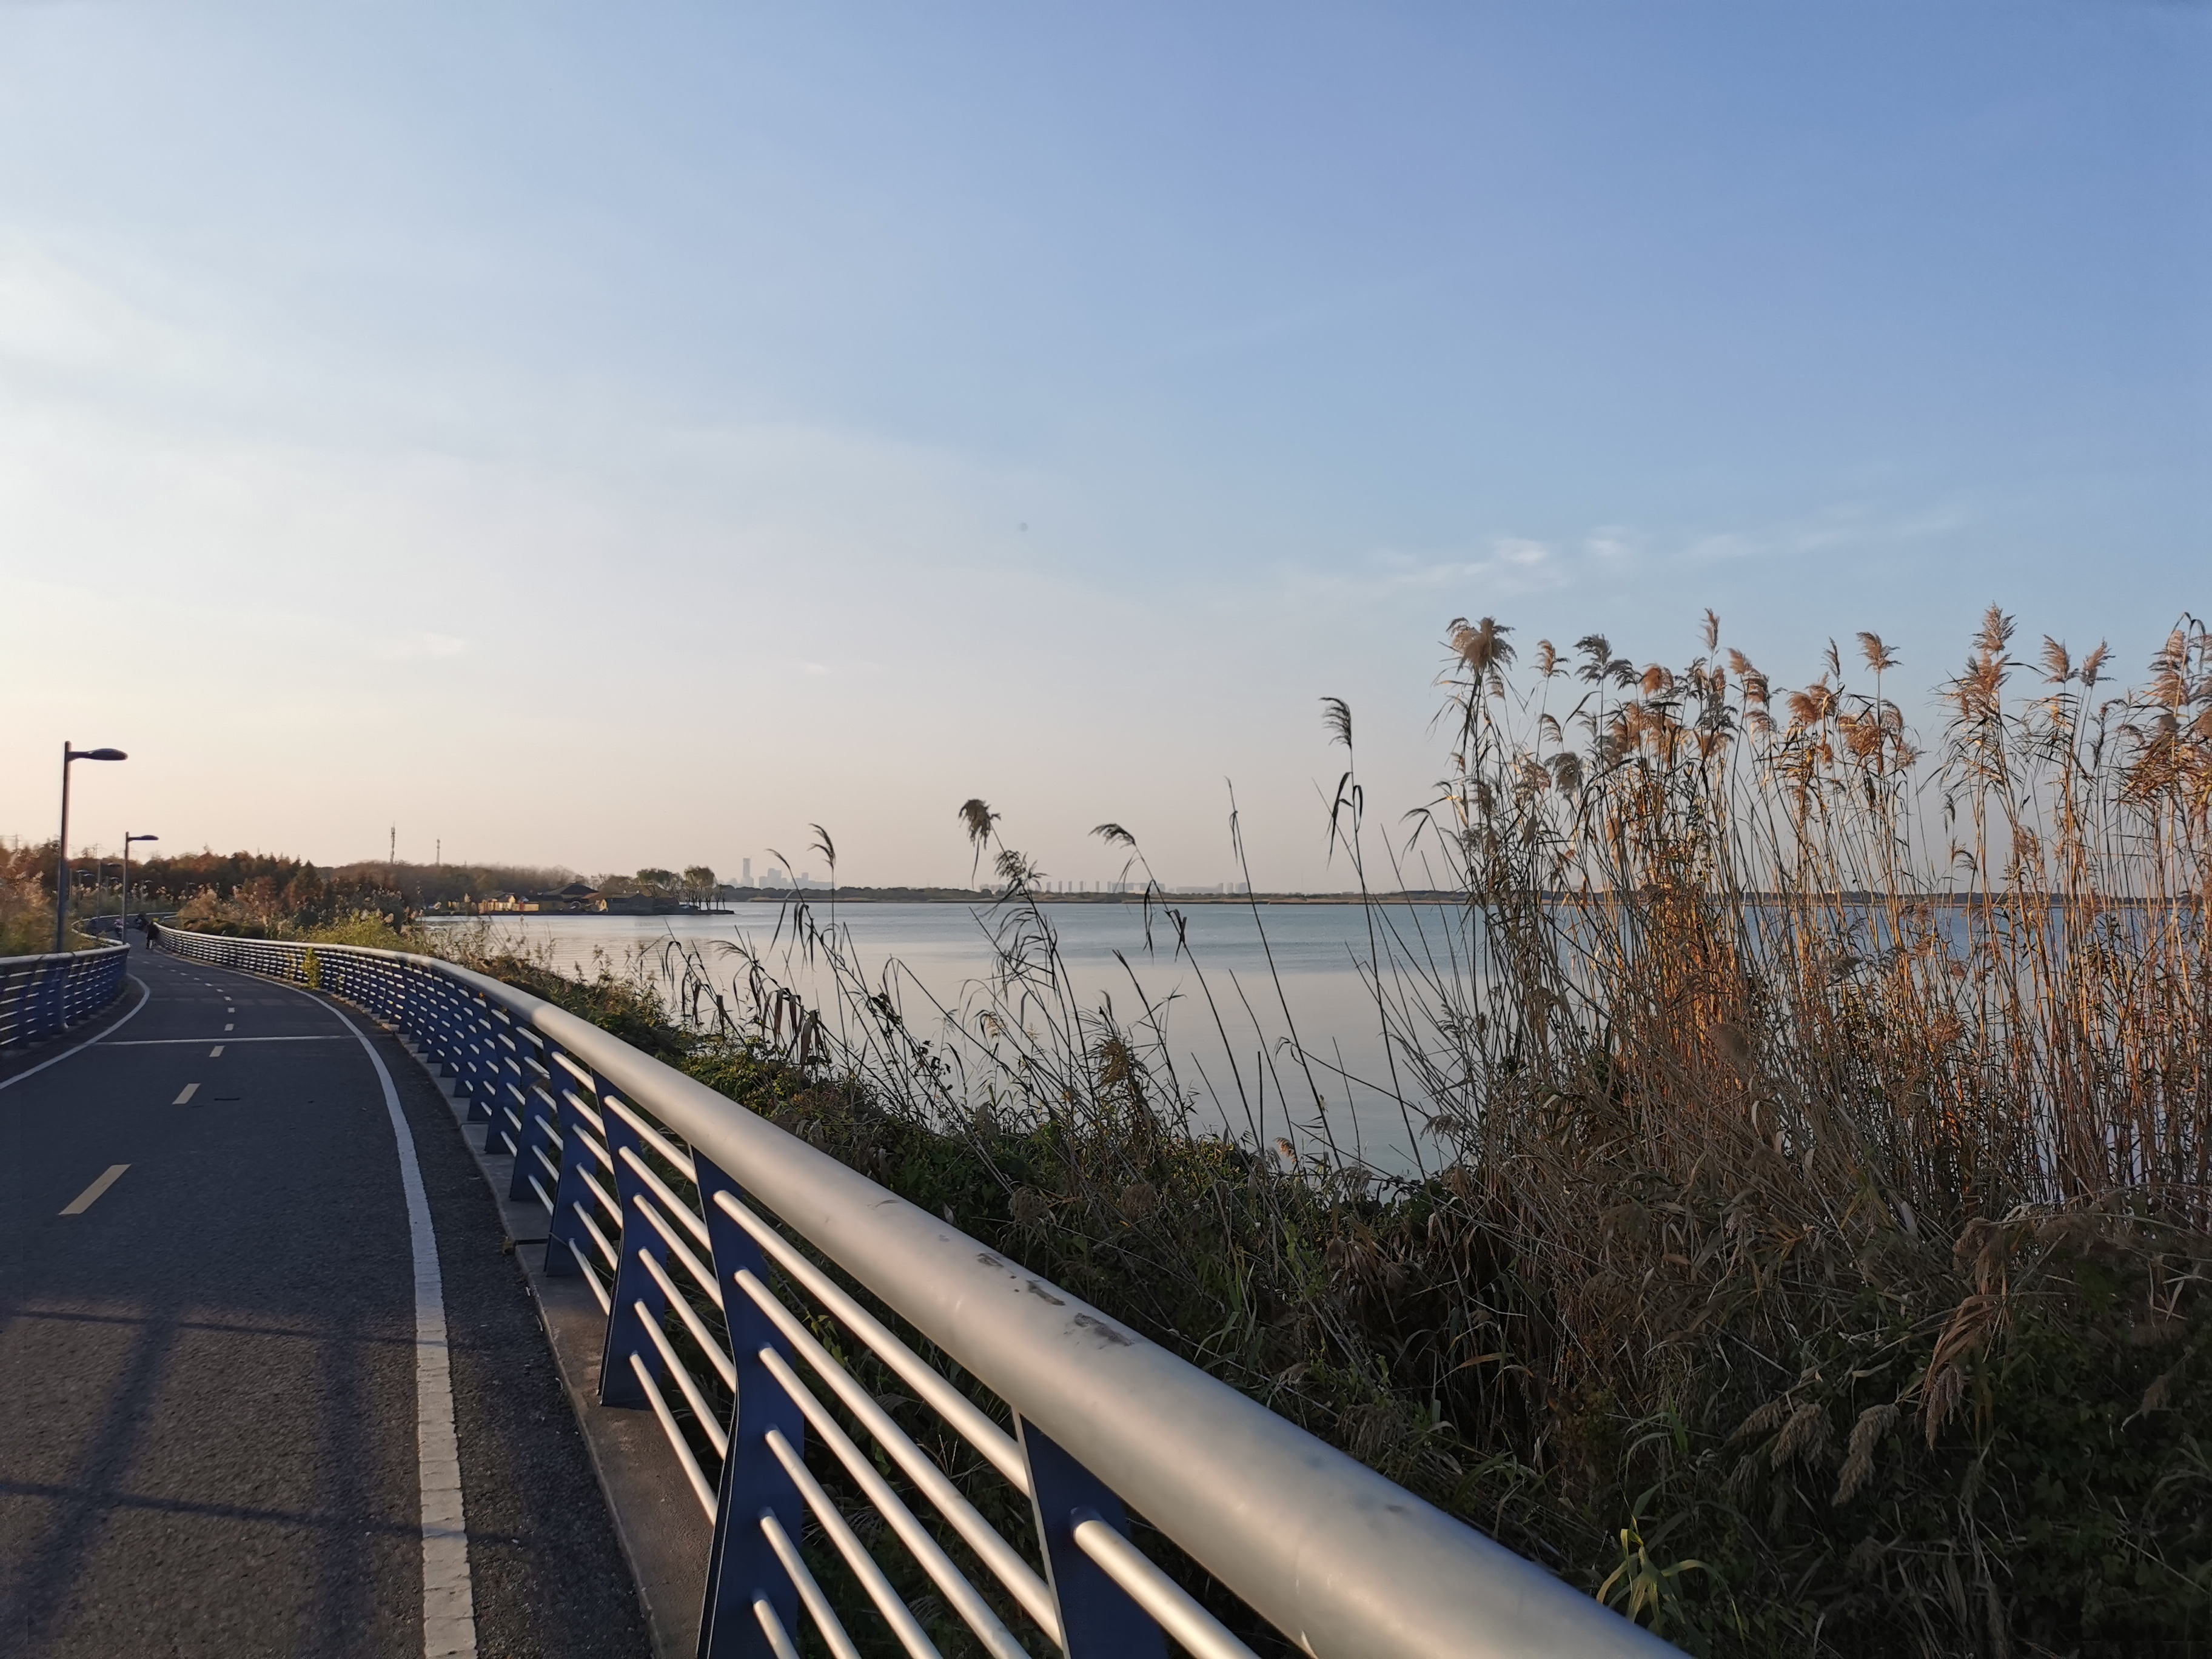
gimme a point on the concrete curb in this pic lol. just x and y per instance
(665, 1537)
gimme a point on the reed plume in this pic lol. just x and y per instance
(1807, 1226)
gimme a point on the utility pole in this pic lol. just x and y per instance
(390, 856)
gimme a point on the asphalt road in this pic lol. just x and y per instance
(207, 1365)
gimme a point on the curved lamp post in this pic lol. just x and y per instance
(123, 917)
(61, 848)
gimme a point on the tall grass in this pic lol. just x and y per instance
(1973, 979)
(26, 921)
(1808, 1249)
(305, 910)
(1811, 1079)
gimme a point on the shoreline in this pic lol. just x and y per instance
(823, 895)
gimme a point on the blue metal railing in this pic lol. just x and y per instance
(43, 994)
(680, 1209)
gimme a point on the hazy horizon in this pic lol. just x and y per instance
(631, 438)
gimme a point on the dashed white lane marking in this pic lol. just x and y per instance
(230, 1028)
(90, 1196)
(449, 1616)
(216, 1052)
(186, 1098)
(167, 1042)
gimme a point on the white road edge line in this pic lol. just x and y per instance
(449, 1618)
(145, 995)
(90, 1196)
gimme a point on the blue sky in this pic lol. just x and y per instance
(630, 435)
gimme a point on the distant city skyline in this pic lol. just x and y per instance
(611, 437)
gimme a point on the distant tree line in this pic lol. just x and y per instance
(696, 885)
(275, 885)
(423, 884)
(169, 879)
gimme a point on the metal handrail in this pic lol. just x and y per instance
(43, 994)
(1339, 1560)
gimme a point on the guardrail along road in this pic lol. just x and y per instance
(863, 1493)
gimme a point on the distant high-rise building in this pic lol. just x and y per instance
(745, 879)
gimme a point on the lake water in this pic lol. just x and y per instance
(1229, 1050)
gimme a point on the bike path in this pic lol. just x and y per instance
(207, 1352)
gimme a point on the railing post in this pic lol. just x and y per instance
(564, 1233)
(742, 1564)
(385, 990)
(618, 1384)
(474, 1079)
(440, 1028)
(539, 1114)
(49, 1003)
(512, 1098)
(1097, 1617)
(11, 1004)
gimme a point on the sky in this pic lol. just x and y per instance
(614, 436)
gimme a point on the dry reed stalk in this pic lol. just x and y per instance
(1777, 1074)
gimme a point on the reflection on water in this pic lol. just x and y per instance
(1293, 967)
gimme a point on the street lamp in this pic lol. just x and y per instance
(123, 918)
(61, 848)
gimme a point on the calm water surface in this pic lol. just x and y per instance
(1230, 1052)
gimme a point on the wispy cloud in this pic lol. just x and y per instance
(1510, 564)
(1844, 526)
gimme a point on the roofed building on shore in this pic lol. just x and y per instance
(577, 898)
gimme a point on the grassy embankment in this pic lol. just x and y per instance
(1799, 1274)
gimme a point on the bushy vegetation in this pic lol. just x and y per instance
(27, 920)
(280, 888)
(1809, 1249)
(26, 902)
(1812, 1252)
(258, 893)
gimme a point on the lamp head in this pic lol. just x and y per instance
(97, 754)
